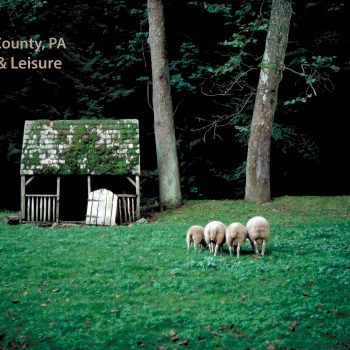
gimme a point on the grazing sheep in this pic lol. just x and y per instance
(195, 234)
(258, 233)
(236, 234)
(214, 234)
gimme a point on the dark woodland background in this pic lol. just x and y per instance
(106, 74)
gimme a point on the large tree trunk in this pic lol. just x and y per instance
(167, 161)
(258, 160)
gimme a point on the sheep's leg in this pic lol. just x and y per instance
(255, 247)
(238, 250)
(216, 249)
(251, 244)
(188, 244)
(263, 247)
(230, 249)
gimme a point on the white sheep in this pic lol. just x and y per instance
(195, 234)
(258, 233)
(214, 234)
(236, 234)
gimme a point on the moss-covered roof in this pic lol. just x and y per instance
(82, 147)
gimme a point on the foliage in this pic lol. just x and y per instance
(101, 288)
(229, 82)
(214, 72)
(95, 61)
(286, 138)
(186, 64)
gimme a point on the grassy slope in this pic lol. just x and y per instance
(133, 287)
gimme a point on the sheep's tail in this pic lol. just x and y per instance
(212, 236)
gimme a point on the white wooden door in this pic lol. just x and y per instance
(101, 208)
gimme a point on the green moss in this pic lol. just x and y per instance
(84, 151)
(87, 152)
(32, 159)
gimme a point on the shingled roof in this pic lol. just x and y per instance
(82, 147)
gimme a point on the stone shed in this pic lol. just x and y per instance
(88, 148)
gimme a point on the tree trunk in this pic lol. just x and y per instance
(258, 188)
(167, 161)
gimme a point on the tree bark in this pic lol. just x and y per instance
(258, 188)
(164, 129)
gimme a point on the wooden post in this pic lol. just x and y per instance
(136, 184)
(28, 207)
(23, 198)
(54, 218)
(58, 199)
(89, 185)
(32, 205)
(133, 208)
(36, 208)
(137, 180)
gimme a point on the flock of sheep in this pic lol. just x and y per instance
(214, 234)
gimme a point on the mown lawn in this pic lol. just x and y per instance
(137, 287)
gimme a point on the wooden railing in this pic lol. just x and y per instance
(127, 208)
(41, 208)
(45, 208)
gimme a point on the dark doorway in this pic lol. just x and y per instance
(116, 184)
(73, 199)
(74, 193)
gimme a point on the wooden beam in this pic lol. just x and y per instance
(133, 208)
(29, 180)
(137, 178)
(120, 210)
(41, 209)
(126, 195)
(89, 185)
(58, 199)
(32, 211)
(23, 197)
(132, 181)
(36, 200)
(28, 207)
(138, 201)
(40, 195)
(49, 208)
(129, 211)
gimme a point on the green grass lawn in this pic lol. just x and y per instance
(137, 287)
